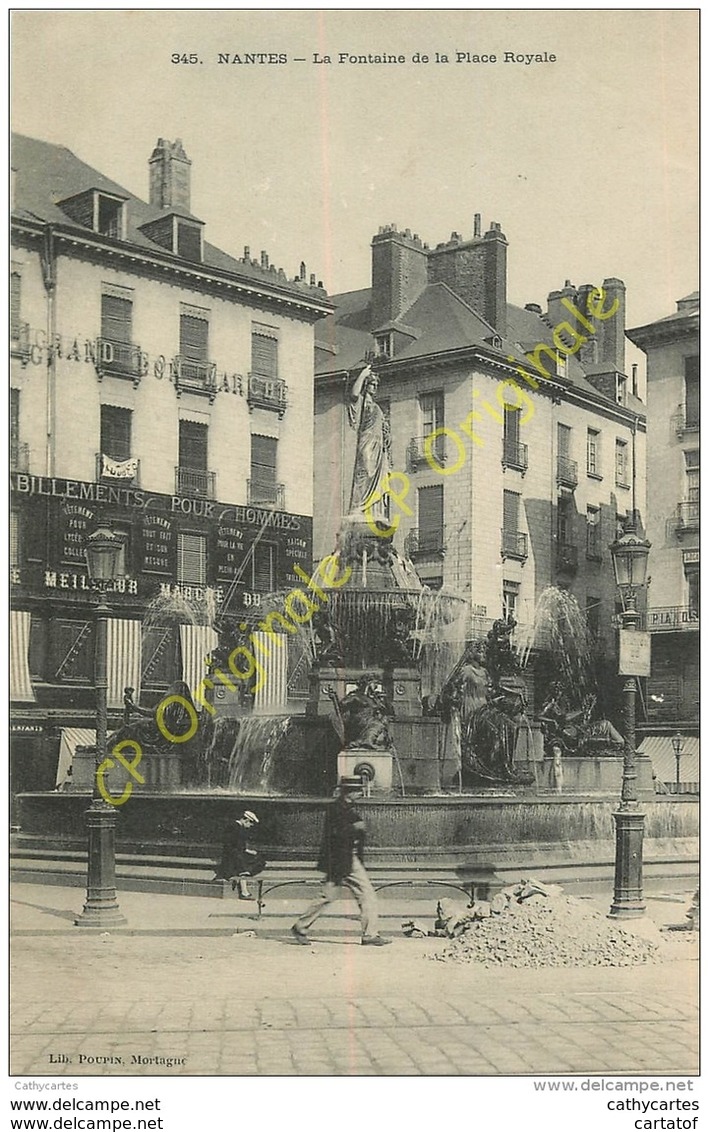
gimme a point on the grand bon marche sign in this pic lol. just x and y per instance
(36, 349)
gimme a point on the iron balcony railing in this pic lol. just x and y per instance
(195, 377)
(19, 457)
(567, 557)
(266, 493)
(567, 472)
(120, 359)
(195, 481)
(422, 541)
(683, 422)
(429, 455)
(267, 393)
(687, 518)
(514, 544)
(671, 618)
(515, 456)
(111, 470)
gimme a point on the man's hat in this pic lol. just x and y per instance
(251, 816)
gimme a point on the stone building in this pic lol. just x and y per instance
(672, 348)
(519, 487)
(160, 386)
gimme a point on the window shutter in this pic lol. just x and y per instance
(14, 418)
(691, 391)
(511, 429)
(192, 559)
(264, 568)
(564, 440)
(116, 318)
(510, 511)
(193, 445)
(14, 538)
(116, 432)
(194, 338)
(264, 355)
(431, 510)
(15, 294)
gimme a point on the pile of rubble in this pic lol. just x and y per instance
(531, 924)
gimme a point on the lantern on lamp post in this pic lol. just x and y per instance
(678, 748)
(102, 549)
(629, 554)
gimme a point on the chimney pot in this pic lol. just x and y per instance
(247, 252)
(477, 225)
(312, 280)
(264, 259)
(303, 270)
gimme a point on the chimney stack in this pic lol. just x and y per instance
(477, 271)
(169, 171)
(635, 379)
(399, 273)
(477, 226)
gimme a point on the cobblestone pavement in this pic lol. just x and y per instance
(187, 983)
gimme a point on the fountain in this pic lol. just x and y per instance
(437, 726)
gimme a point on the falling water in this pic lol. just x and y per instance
(174, 607)
(560, 628)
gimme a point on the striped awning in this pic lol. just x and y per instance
(196, 643)
(72, 737)
(659, 750)
(124, 658)
(21, 689)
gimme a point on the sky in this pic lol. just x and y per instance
(589, 163)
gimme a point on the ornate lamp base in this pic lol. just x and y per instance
(628, 900)
(101, 908)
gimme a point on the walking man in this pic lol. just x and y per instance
(342, 861)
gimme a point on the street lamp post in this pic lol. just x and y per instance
(101, 907)
(629, 554)
(678, 748)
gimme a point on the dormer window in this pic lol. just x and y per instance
(178, 234)
(100, 211)
(383, 345)
(620, 389)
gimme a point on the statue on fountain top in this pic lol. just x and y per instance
(373, 451)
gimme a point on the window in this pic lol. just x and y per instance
(193, 445)
(192, 559)
(383, 343)
(430, 518)
(109, 218)
(116, 432)
(593, 533)
(194, 335)
(431, 410)
(691, 392)
(693, 593)
(593, 452)
(563, 437)
(510, 597)
(621, 464)
(514, 454)
(593, 617)
(621, 389)
(514, 542)
(264, 456)
(189, 241)
(15, 301)
(691, 460)
(564, 522)
(264, 351)
(263, 568)
(117, 318)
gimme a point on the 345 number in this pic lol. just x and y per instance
(177, 58)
